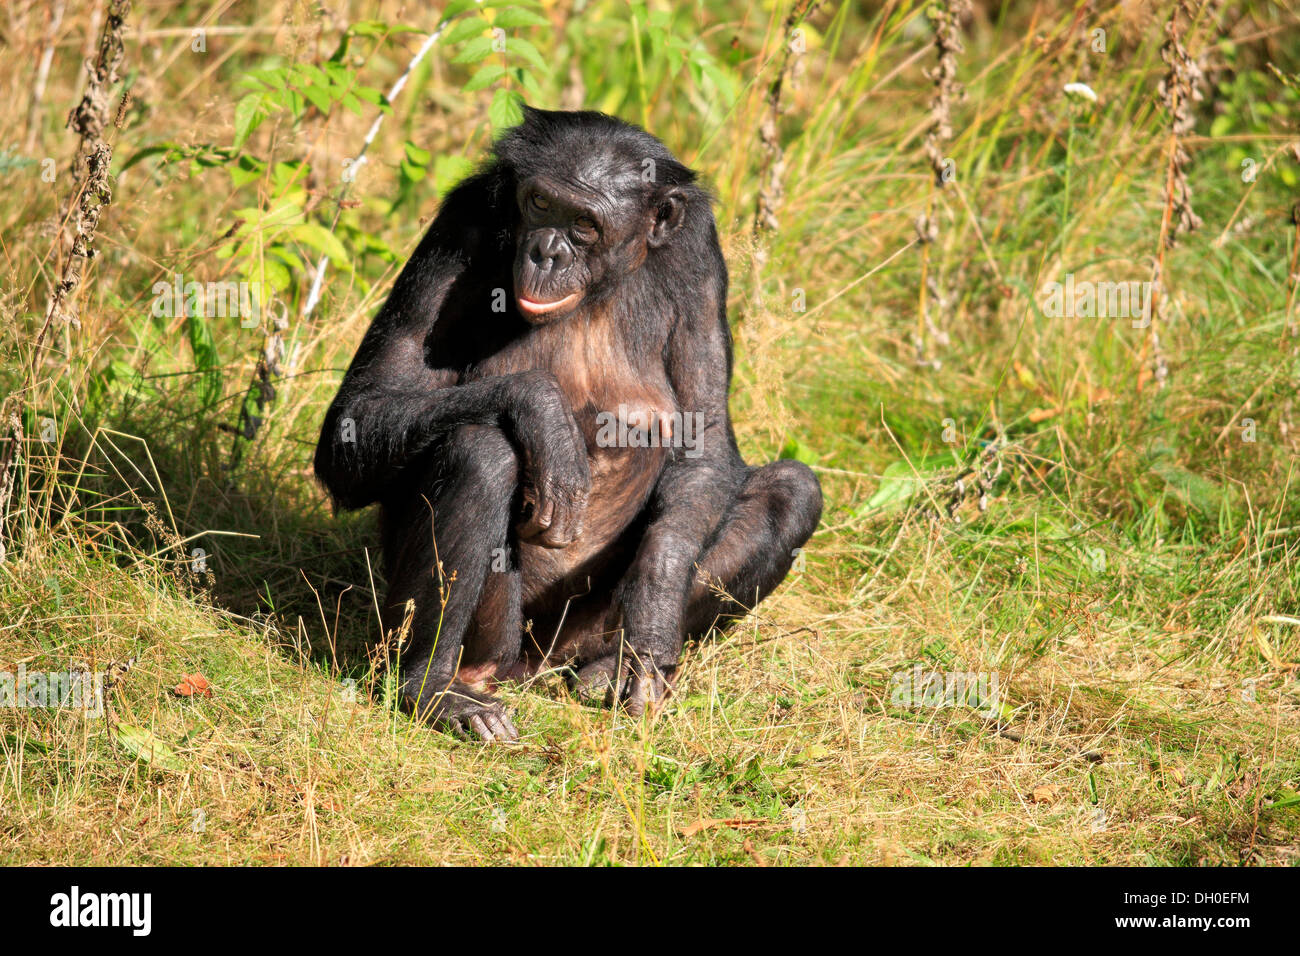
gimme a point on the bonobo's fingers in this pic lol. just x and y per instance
(554, 513)
(469, 713)
(502, 727)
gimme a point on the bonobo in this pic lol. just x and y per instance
(540, 409)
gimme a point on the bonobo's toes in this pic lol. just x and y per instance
(494, 726)
(640, 689)
(647, 693)
(488, 722)
(469, 713)
(594, 683)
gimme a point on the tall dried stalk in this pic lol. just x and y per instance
(79, 220)
(771, 186)
(94, 113)
(1179, 90)
(947, 17)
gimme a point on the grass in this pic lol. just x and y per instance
(1132, 579)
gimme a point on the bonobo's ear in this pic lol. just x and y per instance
(669, 213)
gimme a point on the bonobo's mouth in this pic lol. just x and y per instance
(534, 309)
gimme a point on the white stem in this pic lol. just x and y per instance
(313, 297)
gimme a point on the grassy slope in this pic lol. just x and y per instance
(786, 728)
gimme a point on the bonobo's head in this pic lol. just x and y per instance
(595, 197)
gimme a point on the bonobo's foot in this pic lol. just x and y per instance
(641, 688)
(467, 712)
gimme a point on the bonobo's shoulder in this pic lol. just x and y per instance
(465, 215)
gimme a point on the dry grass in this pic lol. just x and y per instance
(1151, 712)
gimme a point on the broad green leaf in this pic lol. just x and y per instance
(449, 172)
(528, 52)
(485, 77)
(322, 240)
(511, 17)
(1193, 489)
(248, 114)
(507, 109)
(902, 481)
(479, 48)
(415, 154)
(473, 27)
(142, 744)
(797, 450)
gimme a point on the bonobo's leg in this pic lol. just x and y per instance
(466, 615)
(774, 512)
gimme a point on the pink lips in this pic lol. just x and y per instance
(542, 308)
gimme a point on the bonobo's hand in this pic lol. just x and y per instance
(638, 684)
(557, 479)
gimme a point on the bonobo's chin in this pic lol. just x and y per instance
(537, 312)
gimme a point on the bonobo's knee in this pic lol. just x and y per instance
(481, 459)
(799, 492)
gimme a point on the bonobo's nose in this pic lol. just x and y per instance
(549, 250)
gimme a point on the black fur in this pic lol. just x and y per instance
(576, 280)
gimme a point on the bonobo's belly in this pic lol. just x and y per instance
(625, 410)
(626, 449)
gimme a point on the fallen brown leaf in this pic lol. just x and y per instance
(192, 685)
(1045, 793)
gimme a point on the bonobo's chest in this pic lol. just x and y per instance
(619, 393)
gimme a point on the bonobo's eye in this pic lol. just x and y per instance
(538, 202)
(585, 225)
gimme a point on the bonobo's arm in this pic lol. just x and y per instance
(690, 497)
(392, 406)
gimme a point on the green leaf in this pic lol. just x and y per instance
(528, 81)
(318, 96)
(1193, 489)
(411, 172)
(449, 172)
(479, 48)
(415, 154)
(457, 7)
(485, 77)
(507, 109)
(902, 481)
(797, 450)
(519, 17)
(371, 95)
(528, 52)
(1284, 798)
(322, 240)
(12, 742)
(248, 115)
(145, 153)
(142, 744)
(378, 28)
(473, 27)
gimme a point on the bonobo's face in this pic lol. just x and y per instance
(575, 239)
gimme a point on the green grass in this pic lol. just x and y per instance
(1133, 581)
